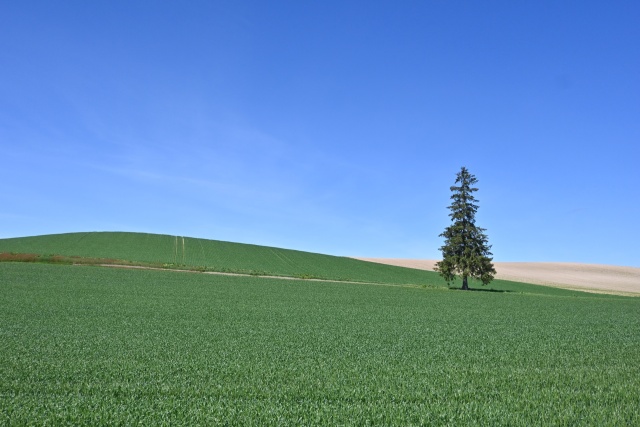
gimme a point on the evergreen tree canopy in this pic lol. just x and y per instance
(465, 252)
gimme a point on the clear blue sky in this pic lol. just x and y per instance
(327, 126)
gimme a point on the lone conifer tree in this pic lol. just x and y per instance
(465, 252)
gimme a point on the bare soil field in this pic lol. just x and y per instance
(586, 277)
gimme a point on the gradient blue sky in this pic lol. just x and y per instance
(333, 126)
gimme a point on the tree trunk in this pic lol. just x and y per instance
(465, 285)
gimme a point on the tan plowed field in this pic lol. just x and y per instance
(586, 277)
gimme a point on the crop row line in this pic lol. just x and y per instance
(221, 273)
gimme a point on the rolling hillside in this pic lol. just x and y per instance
(214, 255)
(585, 277)
(85, 345)
(164, 251)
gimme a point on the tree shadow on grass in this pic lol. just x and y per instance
(482, 290)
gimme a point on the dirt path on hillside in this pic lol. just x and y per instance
(587, 277)
(220, 273)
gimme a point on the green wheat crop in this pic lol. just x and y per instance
(87, 346)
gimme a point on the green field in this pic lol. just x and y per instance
(217, 256)
(86, 345)
(176, 251)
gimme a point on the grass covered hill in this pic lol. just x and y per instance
(83, 345)
(157, 250)
(213, 255)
